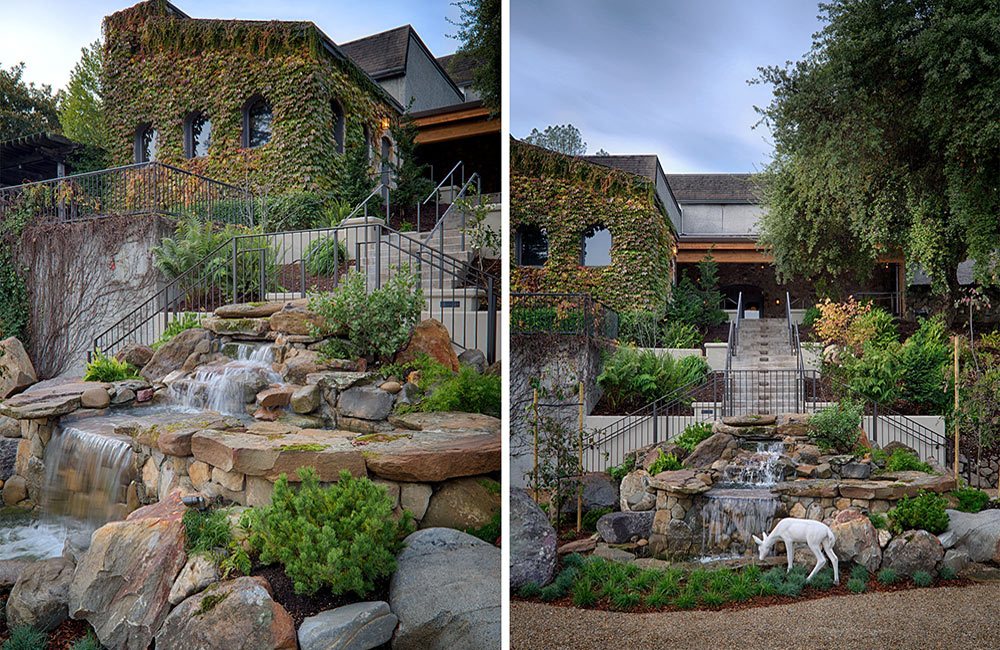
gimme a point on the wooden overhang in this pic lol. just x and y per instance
(454, 123)
(726, 250)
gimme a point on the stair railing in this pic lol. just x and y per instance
(435, 194)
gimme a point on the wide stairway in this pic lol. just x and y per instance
(764, 378)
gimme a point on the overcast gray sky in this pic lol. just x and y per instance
(48, 34)
(655, 76)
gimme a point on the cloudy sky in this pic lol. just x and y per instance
(664, 76)
(48, 34)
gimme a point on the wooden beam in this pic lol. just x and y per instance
(477, 113)
(457, 132)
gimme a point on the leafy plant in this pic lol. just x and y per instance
(836, 427)
(970, 499)
(488, 532)
(923, 362)
(857, 585)
(878, 520)
(466, 391)
(589, 521)
(185, 321)
(947, 573)
(343, 537)
(698, 304)
(205, 530)
(664, 463)
(25, 637)
(901, 460)
(926, 511)
(108, 369)
(619, 472)
(633, 378)
(835, 319)
(681, 335)
(874, 374)
(377, 323)
(874, 327)
(888, 576)
(324, 256)
(693, 435)
(922, 578)
(811, 315)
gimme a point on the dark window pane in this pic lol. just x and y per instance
(147, 144)
(338, 127)
(532, 246)
(597, 246)
(201, 135)
(259, 124)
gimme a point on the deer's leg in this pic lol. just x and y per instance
(789, 551)
(820, 560)
(828, 547)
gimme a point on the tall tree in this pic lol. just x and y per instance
(25, 108)
(562, 138)
(479, 29)
(81, 109)
(887, 138)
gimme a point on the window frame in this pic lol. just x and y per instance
(190, 147)
(594, 229)
(248, 106)
(519, 243)
(139, 154)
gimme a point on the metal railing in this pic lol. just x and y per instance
(139, 189)
(576, 314)
(435, 194)
(733, 345)
(439, 227)
(888, 300)
(287, 265)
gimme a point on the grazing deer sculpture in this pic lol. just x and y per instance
(816, 534)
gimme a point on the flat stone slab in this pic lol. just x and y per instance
(748, 432)
(271, 456)
(681, 481)
(338, 379)
(446, 421)
(749, 420)
(816, 488)
(51, 401)
(431, 456)
(250, 309)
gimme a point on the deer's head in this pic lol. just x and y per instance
(763, 545)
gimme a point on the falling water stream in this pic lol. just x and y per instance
(227, 388)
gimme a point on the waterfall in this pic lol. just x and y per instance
(732, 516)
(86, 475)
(229, 387)
(760, 469)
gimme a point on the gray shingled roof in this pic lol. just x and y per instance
(460, 69)
(381, 55)
(640, 165)
(713, 188)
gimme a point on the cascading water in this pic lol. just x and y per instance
(227, 388)
(744, 505)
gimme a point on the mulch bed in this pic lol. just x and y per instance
(301, 607)
(716, 333)
(61, 638)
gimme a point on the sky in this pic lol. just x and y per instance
(655, 76)
(47, 34)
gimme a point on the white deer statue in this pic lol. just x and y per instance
(816, 534)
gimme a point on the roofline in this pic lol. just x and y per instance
(51, 135)
(451, 108)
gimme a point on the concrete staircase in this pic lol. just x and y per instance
(764, 346)
(764, 380)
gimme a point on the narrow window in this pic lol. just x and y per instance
(596, 246)
(197, 135)
(386, 154)
(531, 246)
(338, 126)
(146, 140)
(257, 119)
(367, 132)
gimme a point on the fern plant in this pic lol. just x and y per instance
(108, 369)
(632, 378)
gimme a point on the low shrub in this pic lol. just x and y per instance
(810, 316)
(664, 463)
(529, 590)
(624, 600)
(205, 530)
(693, 435)
(324, 256)
(376, 323)
(466, 391)
(823, 580)
(677, 334)
(108, 369)
(922, 579)
(947, 573)
(25, 638)
(926, 511)
(923, 361)
(836, 427)
(878, 520)
(618, 472)
(488, 532)
(901, 460)
(584, 593)
(888, 576)
(857, 585)
(875, 327)
(88, 642)
(970, 499)
(185, 321)
(632, 378)
(343, 536)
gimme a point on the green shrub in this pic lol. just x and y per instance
(901, 460)
(108, 369)
(624, 600)
(664, 463)
(25, 638)
(810, 316)
(377, 324)
(205, 530)
(926, 511)
(324, 256)
(574, 560)
(823, 580)
(632, 378)
(878, 520)
(686, 600)
(693, 435)
(591, 516)
(639, 328)
(88, 642)
(466, 391)
(923, 361)
(947, 573)
(618, 472)
(295, 211)
(676, 334)
(877, 327)
(527, 319)
(698, 304)
(584, 593)
(488, 532)
(888, 576)
(185, 321)
(343, 537)
(836, 427)
(922, 578)
(529, 590)
(970, 499)
(857, 586)
(875, 374)
(551, 592)
(791, 588)
(860, 572)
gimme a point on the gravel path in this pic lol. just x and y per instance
(946, 617)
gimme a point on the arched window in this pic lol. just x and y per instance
(146, 143)
(531, 245)
(257, 119)
(338, 126)
(197, 135)
(596, 246)
(367, 132)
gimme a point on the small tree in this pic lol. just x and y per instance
(412, 178)
(81, 110)
(479, 29)
(561, 138)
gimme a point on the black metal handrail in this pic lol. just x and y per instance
(732, 346)
(436, 192)
(439, 228)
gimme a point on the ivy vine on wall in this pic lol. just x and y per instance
(160, 67)
(565, 196)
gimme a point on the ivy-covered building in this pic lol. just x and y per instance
(580, 226)
(273, 104)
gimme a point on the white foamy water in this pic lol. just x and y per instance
(22, 537)
(229, 387)
(732, 516)
(760, 469)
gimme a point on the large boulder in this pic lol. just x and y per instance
(430, 337)
(39, 599)
(446, 592)
(16, 369)
(635, 493)
(599, 491)
(623, 527)
(199, 572)
(708, 451)
(532, 542)
(463, 503)
(978, 534)
(857, 539)
(914, 550)
(135, 355)
(296, 320)
(122, 583)
(366, 403)
(175, 353)
(358, 626)
(237, 613)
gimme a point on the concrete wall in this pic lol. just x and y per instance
(720, 218)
